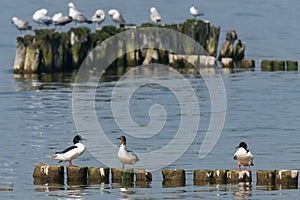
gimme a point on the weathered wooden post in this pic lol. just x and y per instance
(227, 63)
(247, 64)
(265, 177)
(142, 178)
(291, 65)
(76, 175)
(287, 178)
(20, 56)
(173, 177)
(44, 173)
(98, 175)
(278, 65)
(236, 177)
(204, 177)
(123, 176)
(267, 65)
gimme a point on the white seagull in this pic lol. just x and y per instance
(243, 156)
(60, 20)
(195, 12)
(98, 18)
(21, 24)
(126, 156)
(154, 15)
(77, 16)
(70, 153)
(40, 17)
(116, 17)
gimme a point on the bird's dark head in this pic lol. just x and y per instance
(243, 145)
(123, 139)
(77, 139)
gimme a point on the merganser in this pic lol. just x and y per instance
(70, 153)
(243, 156)
(126, 156)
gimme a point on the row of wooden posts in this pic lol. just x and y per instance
(266, 65)
(44, 173)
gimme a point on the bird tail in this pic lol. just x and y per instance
(252, 164)
(234, 157)
(53, 156)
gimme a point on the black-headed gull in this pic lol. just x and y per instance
(60, 20)
(77, 16)
(116, 17)
(71, 152)
(194, 11)
(40, 17)
(243, 156)
(126, 156)
(98, 18)
(21, 24)
(154, 15)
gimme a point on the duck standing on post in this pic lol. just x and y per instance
(243, 156)
(70, 153)
(126, 156)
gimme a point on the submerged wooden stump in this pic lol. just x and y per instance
(118, 175)
(227, 63)
(143, 175)
(204, 177)
(291, 65)
(77, 175)
(236, 177)
(287, 177)
(247, 64)
(98, 175)
(267, 65)
(265, 177)
(173, 177)
(278, 65)
(44, 173)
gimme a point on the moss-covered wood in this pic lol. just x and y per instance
(49, 51)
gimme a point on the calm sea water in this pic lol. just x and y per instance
(262, 108)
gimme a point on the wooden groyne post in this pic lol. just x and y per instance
(49, 51)
(44, 173)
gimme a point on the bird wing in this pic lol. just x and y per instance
(66, 150)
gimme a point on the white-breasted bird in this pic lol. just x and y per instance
(71, 152)
(77, 16)
(98, 18)
(116, 16)
(126, 156)
(194, 11)
(21, 24)
(60, 20)
(154, 15)
(41, 18)
(243, 156)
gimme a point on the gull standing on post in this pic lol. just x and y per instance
(98, 18)
(154, 15)
(21, 24)
(77, 16)
(60, 20)
(116, 17)
(40, 17)
(243, 156)
(126, 156)
(195, 12)
(71, 152)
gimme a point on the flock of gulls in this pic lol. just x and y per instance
(42, 19)
(125, 156)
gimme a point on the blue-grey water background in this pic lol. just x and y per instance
(262, 108)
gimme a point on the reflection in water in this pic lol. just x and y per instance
(6, 186)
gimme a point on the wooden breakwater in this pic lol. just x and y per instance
(49, 51)
(44, 173)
